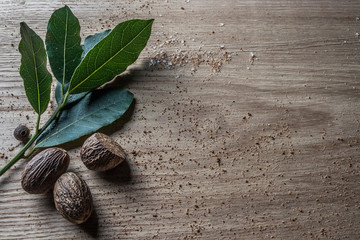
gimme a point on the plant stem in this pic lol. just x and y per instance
(33, 138)
(29, 154)
(56, 113)
(37, 124)
(19, 155)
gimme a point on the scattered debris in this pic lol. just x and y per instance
(252, 58)
(182, 58)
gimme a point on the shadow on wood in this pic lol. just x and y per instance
(125, 79)
(48, 200)
(91, 226)
(121, 174)
(9, 176)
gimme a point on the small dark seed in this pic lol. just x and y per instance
(22, 133)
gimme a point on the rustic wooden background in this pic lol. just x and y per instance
(246, 123)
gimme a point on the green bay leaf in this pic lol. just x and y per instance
(63, 44)
(97, 109)
(92, 40)
(37, 79)
(71, 99)
(112, 55)
(89, 42)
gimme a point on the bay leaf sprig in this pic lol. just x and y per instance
(79, 68)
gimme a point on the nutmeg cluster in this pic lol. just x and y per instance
(72, 196)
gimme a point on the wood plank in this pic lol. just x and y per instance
(219, 147)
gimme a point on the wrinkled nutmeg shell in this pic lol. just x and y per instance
(22, 133)
(44, 169)
(100, 153)
(73, 198)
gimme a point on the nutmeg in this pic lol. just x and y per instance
(22, 133)
(100, 153)
(44, 169)
(73, 198)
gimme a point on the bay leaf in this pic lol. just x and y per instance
(63, 44)
(89, 42)
(71, 99)
(92, 40)
(37, 79)
(111, 56)
(97, 109)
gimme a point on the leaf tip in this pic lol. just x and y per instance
(23, 28)
(23, 24)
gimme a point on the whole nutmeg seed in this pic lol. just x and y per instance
(22, 133)
(73, 198)
(44, 169)
(100, 153)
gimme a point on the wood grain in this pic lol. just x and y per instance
(218, 148)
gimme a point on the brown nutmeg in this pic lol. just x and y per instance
(100, 153)
(73, 198)
(44, 169)
(22, 133)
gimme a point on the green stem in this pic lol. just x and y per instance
(19, 155)
(56, 113)
(33, 138)
(31, 152)
(37, 124)
(62, 88)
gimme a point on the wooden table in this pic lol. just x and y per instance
(246, 123)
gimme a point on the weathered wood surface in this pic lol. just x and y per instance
(255, 151)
